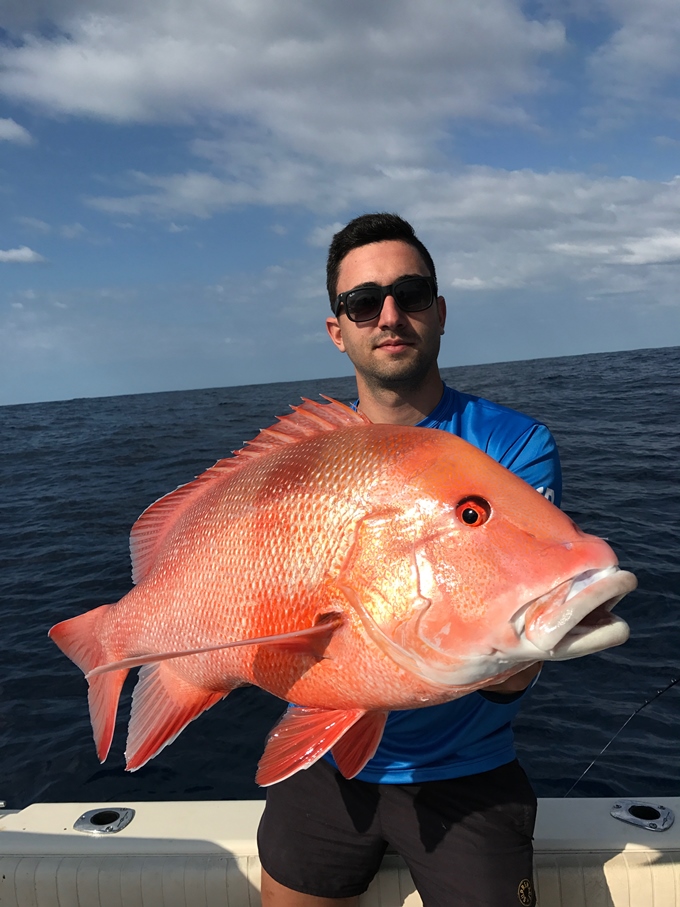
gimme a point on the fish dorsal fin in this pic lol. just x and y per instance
(306, 421)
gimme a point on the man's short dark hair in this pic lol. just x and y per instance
(367, 229)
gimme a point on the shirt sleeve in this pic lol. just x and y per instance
(533, 457)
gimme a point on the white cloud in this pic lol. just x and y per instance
(321, 236)
(637, 67)
(71, 231)
(342, 83)
(494, 230)
(13, 132)
(491, 229)
(311, 104)
(23, 255)
(33, 223)
(328, 80)
(665, 141)
(661, 247)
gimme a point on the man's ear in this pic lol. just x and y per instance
(335, 333)
(441, 308)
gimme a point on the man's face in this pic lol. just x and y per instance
(396, 348)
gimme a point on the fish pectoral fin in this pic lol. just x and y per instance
(301, 737)
(311, 641)
(162, 705)
(359, 743)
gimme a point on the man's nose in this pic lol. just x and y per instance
(391, 315)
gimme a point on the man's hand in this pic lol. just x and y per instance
(517, 682)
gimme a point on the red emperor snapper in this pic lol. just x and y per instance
(351, 568)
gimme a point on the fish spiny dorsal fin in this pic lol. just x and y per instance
(306, 421)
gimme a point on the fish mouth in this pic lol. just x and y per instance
(570, 620)
(575, 618)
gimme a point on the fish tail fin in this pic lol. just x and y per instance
(79, 639)
(163, 703)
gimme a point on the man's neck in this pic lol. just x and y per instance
(398, 407)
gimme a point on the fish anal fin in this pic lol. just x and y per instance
(359, 744)
(301, 737)
(155, 525)
(163, 704)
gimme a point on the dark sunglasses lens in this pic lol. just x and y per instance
(413, 295)
(364, 304)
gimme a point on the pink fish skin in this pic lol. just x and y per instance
(351, 568)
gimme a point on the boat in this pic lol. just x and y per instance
(589, 853)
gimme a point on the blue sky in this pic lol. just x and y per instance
(171, 174)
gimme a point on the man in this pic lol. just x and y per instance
(444, 788)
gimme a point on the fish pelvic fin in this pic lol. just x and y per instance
(162, 705)
(354, 749)
(306, 421)
(78, 638)
(300, 738)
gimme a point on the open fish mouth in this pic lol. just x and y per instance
(575, 618)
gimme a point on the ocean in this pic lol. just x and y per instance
(76, 474)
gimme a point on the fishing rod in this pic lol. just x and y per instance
(625, 723)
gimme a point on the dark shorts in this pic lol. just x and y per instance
(465, 840)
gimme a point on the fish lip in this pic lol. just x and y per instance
(574, 618)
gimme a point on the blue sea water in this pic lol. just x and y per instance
(76, 474)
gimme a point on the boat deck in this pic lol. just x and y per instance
(203, 854)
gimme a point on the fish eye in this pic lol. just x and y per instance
(473, 511)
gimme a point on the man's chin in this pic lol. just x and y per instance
(399, 373)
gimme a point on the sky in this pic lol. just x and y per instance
(171, 174)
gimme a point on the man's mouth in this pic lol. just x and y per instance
(395, 343)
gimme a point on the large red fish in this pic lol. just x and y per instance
(350, 568)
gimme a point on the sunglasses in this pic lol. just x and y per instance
(411, 294)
